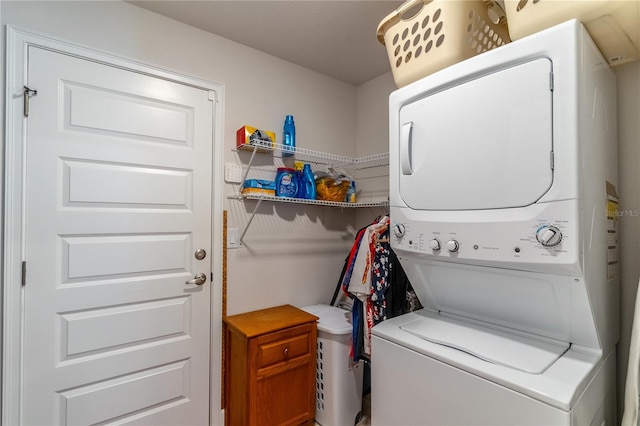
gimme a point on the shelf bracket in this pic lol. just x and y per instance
(244, 178)
(246, 173)
(246, 226)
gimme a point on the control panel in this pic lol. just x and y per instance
(540, 235)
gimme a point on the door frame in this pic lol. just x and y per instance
(17, 41)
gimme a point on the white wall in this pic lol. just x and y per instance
(373, 138)
(628, 79)
(292, 254)
(373, 114)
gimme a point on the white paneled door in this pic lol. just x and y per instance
(117, 203)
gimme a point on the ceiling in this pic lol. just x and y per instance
(333, 37)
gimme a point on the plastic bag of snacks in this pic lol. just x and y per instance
(332, 187)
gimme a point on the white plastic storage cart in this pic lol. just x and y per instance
(338, 382)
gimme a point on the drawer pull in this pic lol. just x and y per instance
(286, 352)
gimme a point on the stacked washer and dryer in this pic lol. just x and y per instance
(503, 176)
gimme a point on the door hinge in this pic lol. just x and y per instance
(211, 280)
(23, 281)
(27, 94)
(551, 81)
(213, 96)
(552, 159)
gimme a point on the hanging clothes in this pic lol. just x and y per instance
(380, 275)
(357, 309)
(376, 283)
(366, 281)
(400, 297)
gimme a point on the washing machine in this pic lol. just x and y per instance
(503, 206)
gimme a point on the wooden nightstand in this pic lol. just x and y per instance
(270, 367)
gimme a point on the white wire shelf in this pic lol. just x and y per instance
(312, 156)
(309, 156)
(305, 201)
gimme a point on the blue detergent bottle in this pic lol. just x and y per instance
(289, 136)
(286, 182)
(308, 183)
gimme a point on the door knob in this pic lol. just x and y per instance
(199, 279)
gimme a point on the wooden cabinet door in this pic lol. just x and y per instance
(285, 377)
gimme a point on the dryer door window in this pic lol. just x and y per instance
(482, 144)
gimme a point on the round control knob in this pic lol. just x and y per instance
(399, 230)
(549, 236)
(434, 244)
(453, 246)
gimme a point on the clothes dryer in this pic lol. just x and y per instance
(503, 176)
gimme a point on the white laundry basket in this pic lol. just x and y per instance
(338, 382)
(612, 24)
(425, 36)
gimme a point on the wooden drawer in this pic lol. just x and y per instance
(283, 346)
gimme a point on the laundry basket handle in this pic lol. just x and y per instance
(408, 5)
(401, 13)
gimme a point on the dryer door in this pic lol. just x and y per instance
(482, 144)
